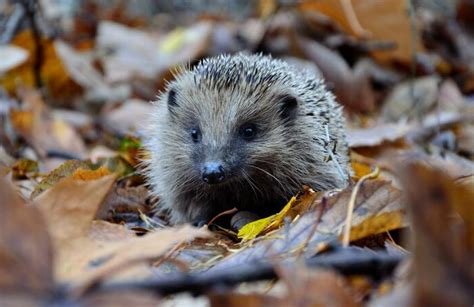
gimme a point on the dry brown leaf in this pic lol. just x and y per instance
(25, 247)
(128, 118)
(44, 133)
(121, 299)
(111, 257)
(377, 134)
(232, 299)
(84, 253)
(411, 98)
(316, 287)
(351, 88)
(443, 221)
(54, 76)
(376, 202)
(81, 69)
(379, 18)
(70, 206)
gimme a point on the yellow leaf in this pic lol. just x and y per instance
(173, 41)
(252, 230)
(377, 224)
(360, 169)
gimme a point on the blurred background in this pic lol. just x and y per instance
(76, 77)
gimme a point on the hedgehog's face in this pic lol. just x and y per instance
(230, 135)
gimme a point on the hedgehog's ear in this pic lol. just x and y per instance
(288, 107)
(172, 100)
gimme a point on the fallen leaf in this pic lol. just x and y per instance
(79, 66)
(128, 118)
(376, 201)
(113, 256)
(37, 126)
(234, 299)
(443, 221)
(315, 287)
(55, 78)
(411, 98)
(70, 206)
(253, 229)
(24, 168)
(377, 134)
(25, 246)
(379, 18)
(11, 57)
(88, 174)
(64, 170)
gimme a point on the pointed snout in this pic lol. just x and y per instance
(213, 173)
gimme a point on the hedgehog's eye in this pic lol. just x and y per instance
(196, 135)
(248, 131)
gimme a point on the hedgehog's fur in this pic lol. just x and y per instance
(218, 96)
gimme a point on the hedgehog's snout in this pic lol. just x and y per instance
(213, 173)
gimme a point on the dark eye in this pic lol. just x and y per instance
(248, 131)
(196, 135)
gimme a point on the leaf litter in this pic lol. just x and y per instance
(85, 223)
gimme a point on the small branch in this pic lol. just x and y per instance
(31, 8)
(346, 261)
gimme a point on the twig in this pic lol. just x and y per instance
(346, 261)
(227, 212)
(350, 206)
(31, 8)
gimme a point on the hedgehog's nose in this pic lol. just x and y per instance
(213, 173)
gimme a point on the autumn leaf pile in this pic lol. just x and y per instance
(78, 225)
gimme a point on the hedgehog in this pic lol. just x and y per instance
(242, 131)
